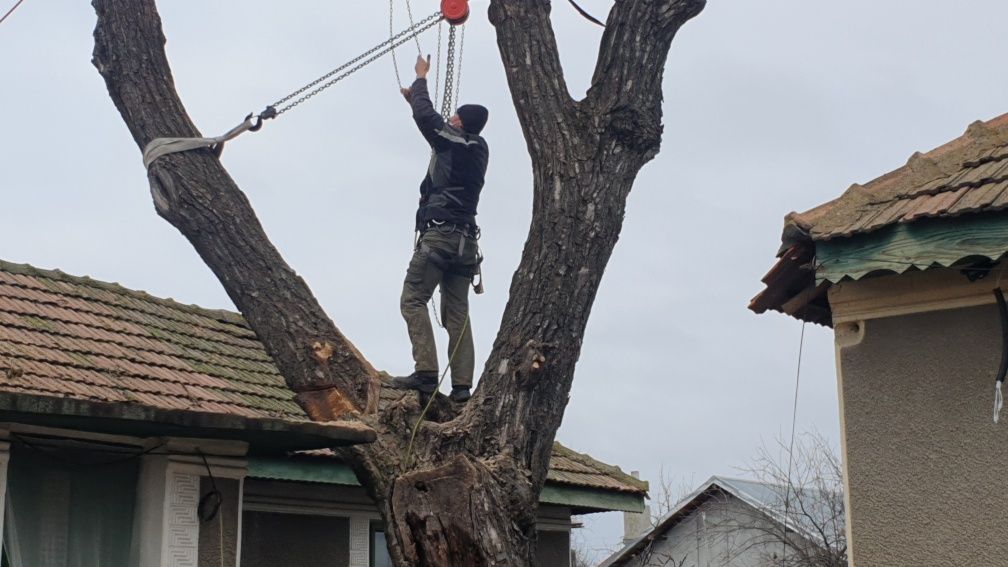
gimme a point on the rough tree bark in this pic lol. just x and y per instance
(465, 492)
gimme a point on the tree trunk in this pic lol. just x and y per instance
(465, 490)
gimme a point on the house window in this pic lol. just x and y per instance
(68, 507)
(274, 538)
(379, 547)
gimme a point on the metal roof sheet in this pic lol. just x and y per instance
(766, 498)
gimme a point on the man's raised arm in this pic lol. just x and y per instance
(427, 119)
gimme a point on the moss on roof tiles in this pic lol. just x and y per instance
(37, 323)
(137, 340)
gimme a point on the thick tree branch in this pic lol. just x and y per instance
(193, 192)
(626, 87)
(634, 45)
(535, 76)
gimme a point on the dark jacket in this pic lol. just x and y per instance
(450, 191)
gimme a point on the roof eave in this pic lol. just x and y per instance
(791, 287)
(264, 435)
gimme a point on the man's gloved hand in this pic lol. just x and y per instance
(407, 94)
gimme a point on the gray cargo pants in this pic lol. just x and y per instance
(422, 277)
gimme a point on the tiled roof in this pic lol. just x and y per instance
(78, 338)
(70, 337)
(577, 469)
(966, 175)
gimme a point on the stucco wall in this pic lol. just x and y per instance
(926, 465)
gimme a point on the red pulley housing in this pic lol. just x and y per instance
(455, 12)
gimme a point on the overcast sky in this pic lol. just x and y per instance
(770, 107)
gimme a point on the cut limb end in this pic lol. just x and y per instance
(326, 405)
(323, 351)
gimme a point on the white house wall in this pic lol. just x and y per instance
(721, 532)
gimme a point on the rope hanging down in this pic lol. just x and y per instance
(163, 146)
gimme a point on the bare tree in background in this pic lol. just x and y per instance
(810, 497)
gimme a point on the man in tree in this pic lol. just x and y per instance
(446, 253)
(585, 156)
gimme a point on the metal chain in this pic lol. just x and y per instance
(446, 101)
(325, 81)
(409, 13)
(437, 62)
(391, 15)
(458, 74)
(391, 31)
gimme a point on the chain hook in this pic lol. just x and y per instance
(270, 112)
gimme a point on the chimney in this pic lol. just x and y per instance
(636, 524)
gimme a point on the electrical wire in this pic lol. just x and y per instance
(11, 11)
(794, 421)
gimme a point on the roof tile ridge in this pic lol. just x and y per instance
(232, 340)
(99, 370)
(220, 315)
(924, 167)
(162, 352)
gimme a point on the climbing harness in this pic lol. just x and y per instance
(455, 12)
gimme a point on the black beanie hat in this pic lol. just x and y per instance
(474, 117)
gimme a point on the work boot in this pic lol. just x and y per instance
(425, 382)
(459, 394)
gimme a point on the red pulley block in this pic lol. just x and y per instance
(455, 12)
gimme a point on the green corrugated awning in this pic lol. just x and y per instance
(581, 500)
(588, 500)
(302, 470)
(923, 244)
